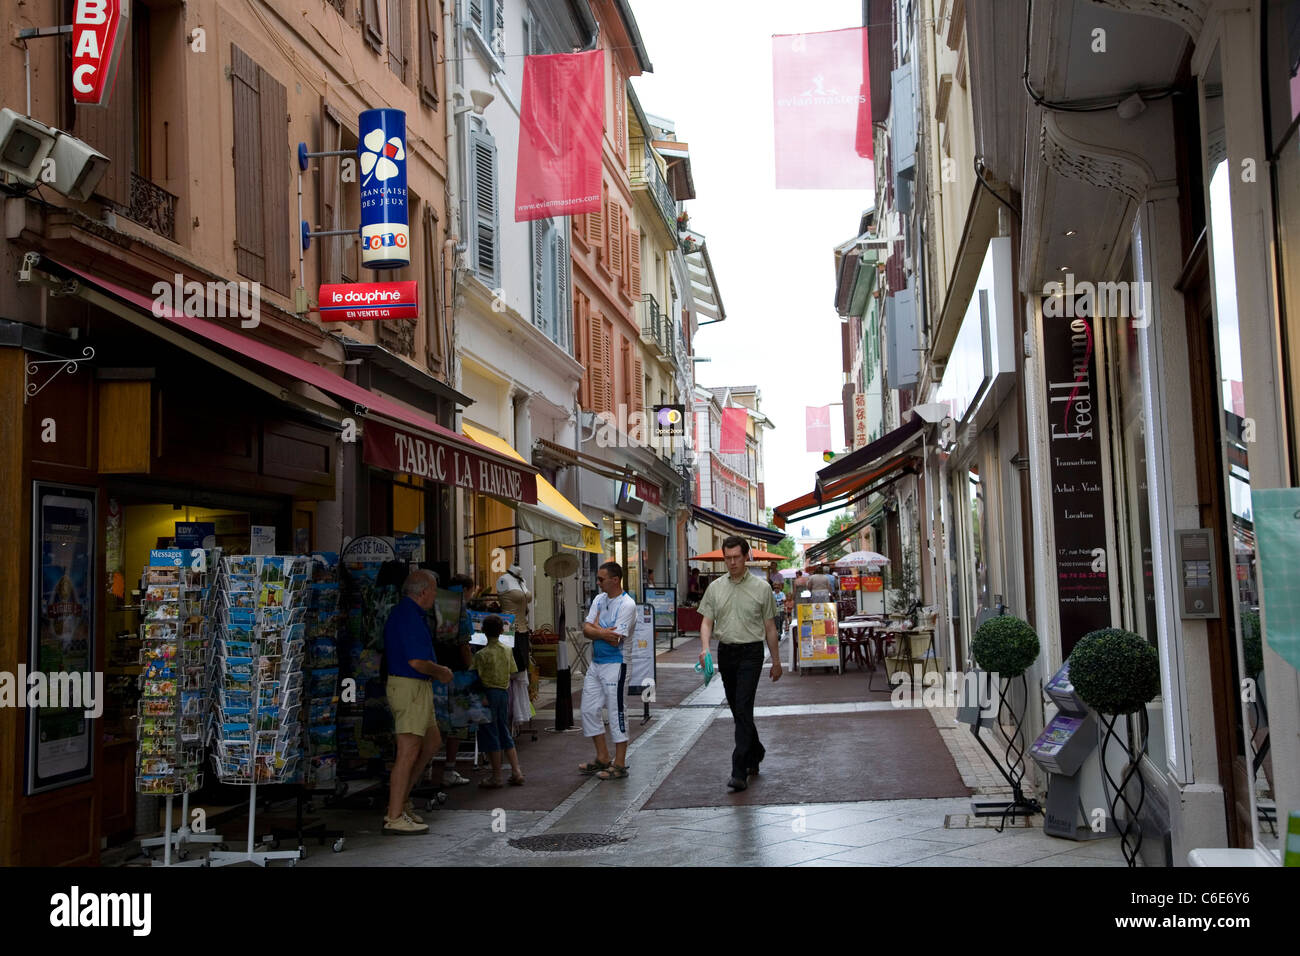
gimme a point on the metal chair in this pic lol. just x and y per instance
(579, 649)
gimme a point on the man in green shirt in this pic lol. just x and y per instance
(741, 609)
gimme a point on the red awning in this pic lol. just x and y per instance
(465, 462)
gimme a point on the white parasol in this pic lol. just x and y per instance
(860, 559)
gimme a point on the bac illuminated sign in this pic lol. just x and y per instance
(357, 301)
(98, 35)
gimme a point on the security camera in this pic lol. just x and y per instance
(24, 145)
(78, 167)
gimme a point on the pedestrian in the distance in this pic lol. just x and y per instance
(609, 626)
(408, 647)
(494, 664)
(741, 609)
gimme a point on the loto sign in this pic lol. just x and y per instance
(358, 301)
(98, 34)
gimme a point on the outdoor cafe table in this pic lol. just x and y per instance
(864, 627)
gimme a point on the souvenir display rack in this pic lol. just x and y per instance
(258, 682)
(324, 617)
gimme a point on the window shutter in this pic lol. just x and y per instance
(250, 236)
(435, 351)
(275, 174)
(499, 27)
(428, 27)
(111, 130)
(638, 388)
(371, 28)
(597, 371)
(331, 247)
(634, 261)
(397, 38)
(596, 228)
(562, 321)
(615, 221)
(620, 107)
(483, 182)
(607, 343)
(578, 229)
(539, 229)
(476, 15)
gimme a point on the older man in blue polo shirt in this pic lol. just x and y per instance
(408, 647)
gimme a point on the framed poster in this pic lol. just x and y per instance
(819, 641)
(60, 749)
(664, 602)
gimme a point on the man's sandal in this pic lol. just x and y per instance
(614, 772)
(592, 767)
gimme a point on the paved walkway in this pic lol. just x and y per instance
(476, 828)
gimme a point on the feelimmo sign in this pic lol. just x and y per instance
(98, 35)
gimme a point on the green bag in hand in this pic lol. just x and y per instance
(706, 668)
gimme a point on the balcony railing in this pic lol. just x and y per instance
(657, 327)
(151, 206)
(645, 173)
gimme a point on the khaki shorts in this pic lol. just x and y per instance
(411, 701)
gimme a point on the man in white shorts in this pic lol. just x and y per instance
(609, 627)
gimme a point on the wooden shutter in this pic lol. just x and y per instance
(638, 388)
(371, 28)
(539, 229)
(250, 229)
(634, 261)
(578, 229)
(597, 364)
(261, 174)
(111, 130)
(614, 219)
(483, 190)
(428, 52)
(397, 31)
(435, 351)
(596, 228)
(620, 113)
(331, 187)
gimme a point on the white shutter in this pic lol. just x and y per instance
(483, 201)
(539, 229)
(563, 324)
(499, 28)
(476, 15)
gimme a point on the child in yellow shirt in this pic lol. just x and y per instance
(494, 664)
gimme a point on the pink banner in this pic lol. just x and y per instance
(820, 97)
(733, 431)
(560, 126)
(818, 424)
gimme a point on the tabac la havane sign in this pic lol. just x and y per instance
(436, 459)
(359, 301)
(98, 34)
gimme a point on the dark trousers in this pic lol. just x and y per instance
(740, 666)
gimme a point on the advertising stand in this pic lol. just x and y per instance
(642, 671)
(664, 602)
(819, 638)
(1061, 750)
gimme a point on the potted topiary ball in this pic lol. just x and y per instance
(1005, 646)
(1116, 672)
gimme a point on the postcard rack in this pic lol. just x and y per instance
(324, 617)
(173, 704)
(257, 680)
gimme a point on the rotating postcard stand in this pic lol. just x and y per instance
(257, 676)
(175, 639)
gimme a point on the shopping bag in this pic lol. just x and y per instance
(706, 669)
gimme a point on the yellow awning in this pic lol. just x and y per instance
(554, 516)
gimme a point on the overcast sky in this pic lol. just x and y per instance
(772, 250)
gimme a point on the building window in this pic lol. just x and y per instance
(398, 38)
(551, 281)
(429, 68)
(487, 22)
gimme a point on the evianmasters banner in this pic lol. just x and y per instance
(821, 101)
(561, 123)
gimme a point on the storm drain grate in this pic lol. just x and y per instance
(562, 842)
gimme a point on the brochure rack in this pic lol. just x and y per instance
(257, 680)
(175, 640)
(323, 619)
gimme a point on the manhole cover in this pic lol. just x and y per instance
(561, 842)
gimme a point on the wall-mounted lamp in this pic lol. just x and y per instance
(479, 102)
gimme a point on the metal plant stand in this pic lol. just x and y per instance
(1130, 830)
(1012, 766)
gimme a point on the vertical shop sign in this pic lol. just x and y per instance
(62, 638)
(1078, 501)
(381, 153)
(98, 34)
(859, 419)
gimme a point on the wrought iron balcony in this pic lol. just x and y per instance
(151, 206)
(644, 174)
(652, 320)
